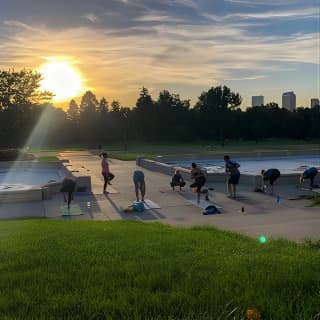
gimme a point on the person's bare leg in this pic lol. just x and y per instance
(137, 193)
(69, 199)
(229, 189)
(234, 190)
(143, 191)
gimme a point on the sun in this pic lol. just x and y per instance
(62, 79)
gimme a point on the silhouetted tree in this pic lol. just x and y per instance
(21, 87)
(73, 112)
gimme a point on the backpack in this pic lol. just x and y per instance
(138, 206)
(211, 210)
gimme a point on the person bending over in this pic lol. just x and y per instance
(232, 168)
(139, 184)
(310, 174)
(177, 180)
(68, 188)
(270, 175)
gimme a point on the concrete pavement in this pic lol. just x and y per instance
(292, 219)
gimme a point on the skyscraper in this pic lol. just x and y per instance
(257, 101)
(314, 102)
(289, 100)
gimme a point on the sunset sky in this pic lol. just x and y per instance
(186, 46)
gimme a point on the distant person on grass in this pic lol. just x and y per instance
(139, 184)
(232, 168)
(270, 175)
(199, 180)
(107, 175)
(68, 188)
(310, 174)
(177, 180)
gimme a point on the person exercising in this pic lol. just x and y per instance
(310, 174)
(270, 175)
(199, 180)
(68, 188)
(139, 184)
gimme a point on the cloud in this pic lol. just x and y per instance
(139, 43)
(271, 15)
(91, 17)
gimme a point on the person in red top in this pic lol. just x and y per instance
(107, 175)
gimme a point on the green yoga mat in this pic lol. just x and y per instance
(74, 210)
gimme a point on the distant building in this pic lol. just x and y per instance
(257, 101)
(314, 102)
(289, 100)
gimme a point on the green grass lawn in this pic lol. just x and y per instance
(130, 270)
(315, 198)
(48, 159)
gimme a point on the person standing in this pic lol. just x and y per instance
(107, 175)
(270, 175)
(139, 184)
(232, 168)
(309, 173)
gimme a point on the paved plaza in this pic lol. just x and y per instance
(291, 219)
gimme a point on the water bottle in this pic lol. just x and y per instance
(278, 199)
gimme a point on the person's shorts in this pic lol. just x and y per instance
(272, 177)
(199, 183)
(138, 180)
(309, 175)
(234, 178)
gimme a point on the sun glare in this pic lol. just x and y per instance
(60, 78)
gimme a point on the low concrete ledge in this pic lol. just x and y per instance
(254, 180)
(32, 194)
(155, 166)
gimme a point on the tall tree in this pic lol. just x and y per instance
(73, 112)
(103, 107)
(220, 98)
(21, 87)
(89, 103)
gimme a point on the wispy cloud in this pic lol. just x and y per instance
(283, 15)
(91, 17)
(160, 46)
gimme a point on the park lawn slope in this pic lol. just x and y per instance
(130, 270)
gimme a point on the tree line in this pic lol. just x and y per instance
(215, 116)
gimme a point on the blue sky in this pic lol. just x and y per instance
(186, 46)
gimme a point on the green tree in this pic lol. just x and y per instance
(21, 87)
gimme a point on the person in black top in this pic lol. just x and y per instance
(309, 173)
(199, 180)
(270, 175)
(177, 180)
(68, 188)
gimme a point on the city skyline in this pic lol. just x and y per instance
(184, 46)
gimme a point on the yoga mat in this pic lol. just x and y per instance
(203, 204)
(74, 210)
(110, 189)
(148, 204)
